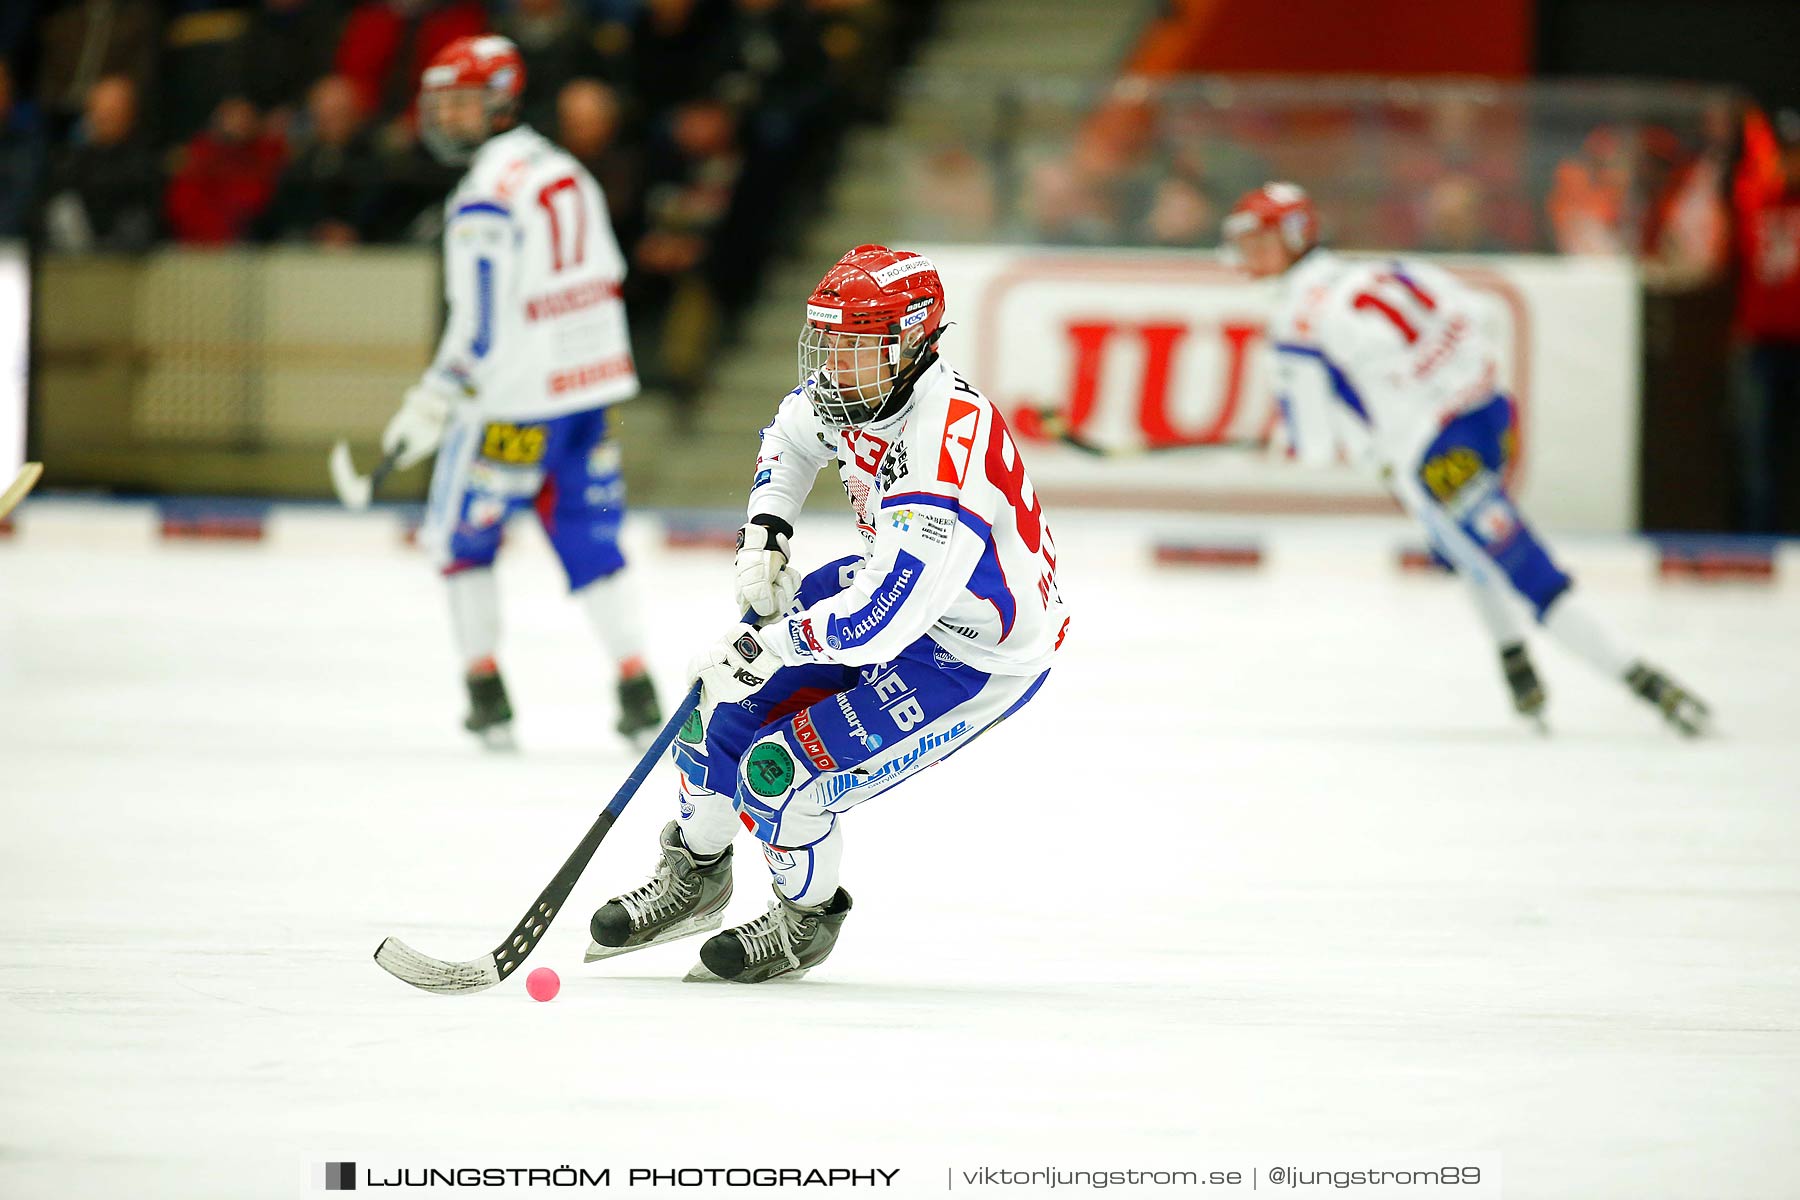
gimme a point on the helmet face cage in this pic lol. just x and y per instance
(847, 377)
(448, 144)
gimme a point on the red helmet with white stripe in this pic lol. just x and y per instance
(469, 93)
(1280, 208)
(872, 326)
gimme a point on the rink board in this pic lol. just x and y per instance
(1164, 346)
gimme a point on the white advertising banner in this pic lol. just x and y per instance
(1138, 348)
(15, 348)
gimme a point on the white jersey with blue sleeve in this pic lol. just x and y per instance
(532, 277)
(1372, 357)
(956, 547)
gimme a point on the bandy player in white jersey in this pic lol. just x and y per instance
(873, 667)
(1390, 363)
(534, 352)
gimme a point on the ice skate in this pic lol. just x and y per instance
(490, 712)
(1680, 708)
(682, 897)
(786, 941)
(640, 716)
(1521, 678)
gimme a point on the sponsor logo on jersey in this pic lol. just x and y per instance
(871, 618)
(762, 477)
(769, 769)
(569, 300)
(830, 316)
(901, 269)
(848, 781)
(1494, 521)
(515, 445)
(961, 630)
(691, 729)
(959, 442)
(903, 519)
(870, 741)
(893, 467)
(591, 375)
(945, 659)
(806, 642)
(896, 698)
(811, 744)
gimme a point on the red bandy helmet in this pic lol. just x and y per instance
(471, 87)
(871, 326)
(1283, 207)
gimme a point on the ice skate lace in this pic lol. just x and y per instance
(664, 895)
(772, 935)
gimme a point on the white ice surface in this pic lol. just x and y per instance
(1268, 866)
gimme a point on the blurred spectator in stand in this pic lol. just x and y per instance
(84, 41)
(326, 193)
(1767, 195)
(201, 51)
(1686, 239)
(556, 49)
(953, 197)
(103, 191)
(288, 47)
(386, 44)
(21, 160)
(1181, 214)
(226, 177)
(692, 179)
(588, 119)
(1062, 208)
(1590, 198)
(1456, 218)
(678, 50)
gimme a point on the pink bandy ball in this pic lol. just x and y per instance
(542, 984)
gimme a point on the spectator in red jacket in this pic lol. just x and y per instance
(1768, 318)
(386, 44)
(226, 179)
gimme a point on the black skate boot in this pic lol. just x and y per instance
(1527, 693)
(1680, 708)
(490, 712)
(788, 940)
(683, 896)
(640, 716)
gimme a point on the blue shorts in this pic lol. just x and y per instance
(1462, 477)
(564, 468)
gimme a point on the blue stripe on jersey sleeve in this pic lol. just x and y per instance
(482, 206)
(484, 308)
(1340, 383)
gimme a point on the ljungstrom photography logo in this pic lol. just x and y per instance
(337, 1176)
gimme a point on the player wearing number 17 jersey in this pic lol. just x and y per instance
(872, 667)
(1390, 363)
(533, 355)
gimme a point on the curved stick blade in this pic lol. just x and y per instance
(434, 974)
(353, 490)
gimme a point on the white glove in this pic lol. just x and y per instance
(733, 667)
(418, 426)
(765, 582)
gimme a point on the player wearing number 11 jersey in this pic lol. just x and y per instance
(1389, 363)
(870, 668)
(533, 354)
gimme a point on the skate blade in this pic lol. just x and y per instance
(497, 739)
(700, 974)
(693, 925)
